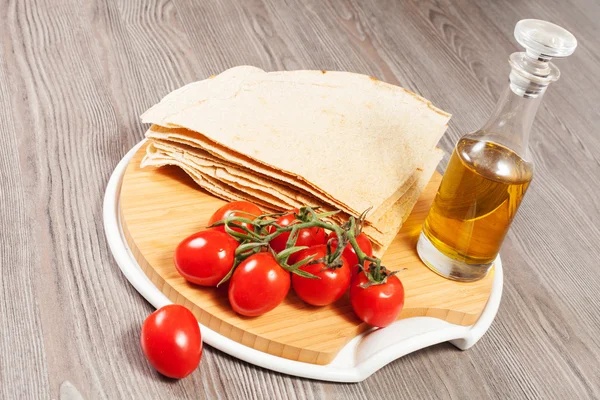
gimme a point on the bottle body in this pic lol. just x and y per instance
(483, 186)
(476, 202)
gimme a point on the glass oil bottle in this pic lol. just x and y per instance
(490, 169)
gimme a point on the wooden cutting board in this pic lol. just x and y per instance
(162, 206)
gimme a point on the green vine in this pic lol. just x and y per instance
(265, 228)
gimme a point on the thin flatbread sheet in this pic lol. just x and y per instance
(334, 131)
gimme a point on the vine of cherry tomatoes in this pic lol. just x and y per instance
(263, 255)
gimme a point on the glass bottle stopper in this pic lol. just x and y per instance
(532, 70)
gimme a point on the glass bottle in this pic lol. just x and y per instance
(490, 169)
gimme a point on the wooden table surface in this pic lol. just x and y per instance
(75, 76)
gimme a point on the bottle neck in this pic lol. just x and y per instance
(510, 123)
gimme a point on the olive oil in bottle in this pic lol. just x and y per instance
(490, 169)
(483, 187)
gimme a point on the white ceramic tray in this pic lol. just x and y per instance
(360, 358)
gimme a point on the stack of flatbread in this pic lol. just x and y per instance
(283, 140)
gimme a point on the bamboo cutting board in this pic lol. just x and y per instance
(161, 206)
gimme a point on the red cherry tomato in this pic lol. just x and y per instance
(171, 341)
(332, 284)
(306, 237)
(204, 258)
(248, 210)
(363, 242)
(377, 305)
(258, 285)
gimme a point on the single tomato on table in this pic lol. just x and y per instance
(258, 285)
(205, 257)
(363, 242)
(243, 209)
(379, 304)
(306, 237)
(171, 341)
(332, 282)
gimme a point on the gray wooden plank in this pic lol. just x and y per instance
(74, 76)
(23, 359)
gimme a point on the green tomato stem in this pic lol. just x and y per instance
(253, 240)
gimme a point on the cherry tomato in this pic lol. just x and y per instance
(377, 305)
(248, 210)
(306, 237)
(171, 341)
(258, 285)
(204, 258)
(363, 242)
(332, 284)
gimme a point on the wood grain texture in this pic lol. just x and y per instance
(160, 207)
(75, 76)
